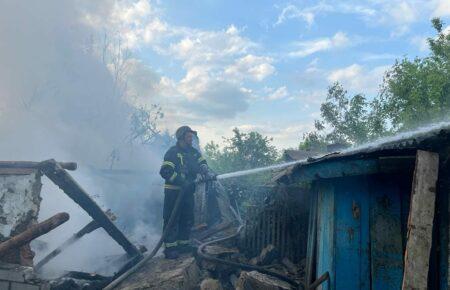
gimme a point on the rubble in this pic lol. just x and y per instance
(291, 267)
(187, 272)
(14, 276)
(79, 280)
(267, 256)
(256, 281)
(160, 273)
(211, 284)
(220, 251)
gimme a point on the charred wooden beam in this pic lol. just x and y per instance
(420, 221)
(66, 182)
(32, 165)
(33, 232)
(90, 227)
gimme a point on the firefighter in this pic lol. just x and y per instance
(182, 163)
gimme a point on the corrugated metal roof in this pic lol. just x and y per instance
(425, 138)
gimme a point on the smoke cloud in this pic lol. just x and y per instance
(59, 99)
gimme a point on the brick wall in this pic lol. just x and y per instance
(15, 277)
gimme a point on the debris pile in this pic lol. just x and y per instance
(221, 261)
(191, 271)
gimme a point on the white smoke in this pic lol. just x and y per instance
(58, 99)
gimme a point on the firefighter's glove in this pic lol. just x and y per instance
(205, 178)
(204, 169)
(207, 172)
(200, 179)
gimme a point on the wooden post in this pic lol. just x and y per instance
(420, 221)
(33, 232)
(65, 181)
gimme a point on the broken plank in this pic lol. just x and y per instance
(255, 280)
(32, 164)
(66, 182)
(33, 232)
(420, 221)
(90, 227)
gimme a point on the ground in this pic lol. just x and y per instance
(159, 273)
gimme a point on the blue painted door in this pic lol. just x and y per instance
(385, 234)
(352, 234)
(325, 233)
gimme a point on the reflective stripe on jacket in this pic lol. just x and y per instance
(180, 165)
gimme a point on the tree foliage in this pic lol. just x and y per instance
(418, 91)
(143, 122)
(344, 120)
(413, 93)
(241, 151)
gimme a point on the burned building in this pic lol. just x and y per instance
(379, 214)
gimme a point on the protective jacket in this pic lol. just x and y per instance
(179, 169)
(180, 166)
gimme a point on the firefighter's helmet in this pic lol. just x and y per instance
(179, 134)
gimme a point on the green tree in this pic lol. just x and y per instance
(242, 151)
(344, 120)
(417, 91)
(413, 93)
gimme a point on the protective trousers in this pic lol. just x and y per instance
(178, 234)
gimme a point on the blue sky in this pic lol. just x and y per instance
(263, 65)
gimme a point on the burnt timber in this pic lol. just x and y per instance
(64, 180)
(33, 232)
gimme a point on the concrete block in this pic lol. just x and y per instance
(22, 286)
(4, 285)
(256, 280)
(11, 275)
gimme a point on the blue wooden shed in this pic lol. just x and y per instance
(359, 212)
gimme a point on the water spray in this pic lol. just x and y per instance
(373, 144)
(257, 170)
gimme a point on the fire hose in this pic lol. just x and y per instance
(158, 245)
(200, 253)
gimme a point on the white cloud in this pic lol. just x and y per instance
(154, 30)
(421, 42)
(250, 66)
(402, 12)
(308, 14)
(305, 48)
(293, 12)
(399, 15)
(131, 13)
(203, 46)
(447, 30)
(359, 79)
(378, 56)
(284, 135)
(442, 8)
(279, 93)
(216, 63)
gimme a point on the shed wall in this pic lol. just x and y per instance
(359, 232)
(19, 208)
